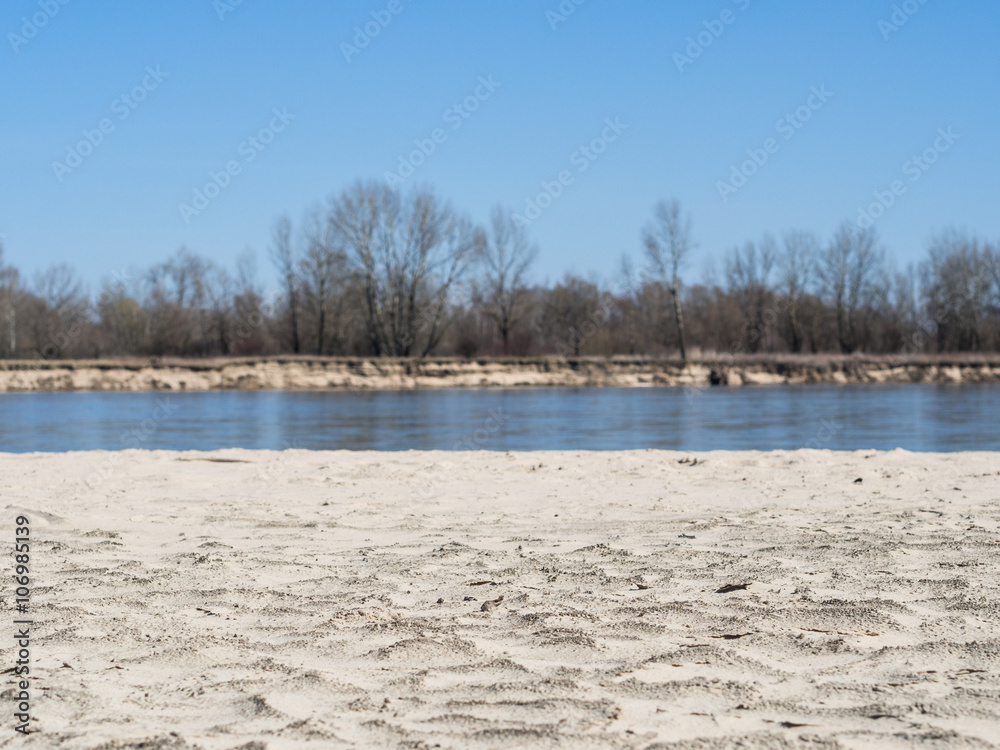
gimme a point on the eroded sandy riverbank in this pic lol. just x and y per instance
(391, 374)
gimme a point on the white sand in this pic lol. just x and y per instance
(292, 599)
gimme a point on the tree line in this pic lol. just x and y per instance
(377, 272)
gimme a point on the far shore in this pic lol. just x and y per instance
(363, 373)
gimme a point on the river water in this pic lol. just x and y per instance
(914, 417)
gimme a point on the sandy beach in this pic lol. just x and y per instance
(254, 599)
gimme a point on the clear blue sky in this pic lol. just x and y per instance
(685, 129)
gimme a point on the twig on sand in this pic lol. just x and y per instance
(218, 460)
(733, 587)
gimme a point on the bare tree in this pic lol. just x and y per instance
(797, 268)
(507, 255)
(248, 336)
(408, 254)
(377, 271)
(667, 239)
(958, 278)
(181, 280)
(177, 300)
(220, 291)
(365, 219)
(124, 325)
(323, 274)
(628, 301)
(900, 320)
(460, 243)
(572, 313)
(849, 269)
(748, 273)
(60, 287)
(59, 309)
(284, 259)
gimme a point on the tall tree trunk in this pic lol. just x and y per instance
(374, 321)
(321, 333)
(845, 346)
(793, 321)
(679, 318)
(321, 324)
(293, 302)
(632, 341)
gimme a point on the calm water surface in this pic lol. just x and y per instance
(915, 417)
